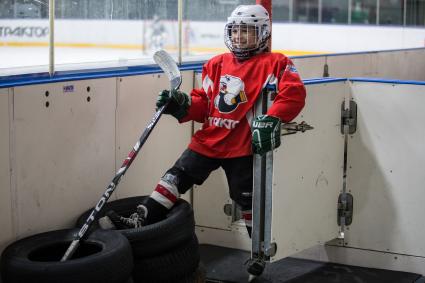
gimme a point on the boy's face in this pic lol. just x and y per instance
(244, 36)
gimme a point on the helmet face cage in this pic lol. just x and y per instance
(247, 31)
(243, 36)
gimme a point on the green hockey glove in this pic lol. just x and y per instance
(179, 104)
(265, 134)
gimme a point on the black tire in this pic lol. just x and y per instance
(105, 257)
(174, 266)
(178, 227)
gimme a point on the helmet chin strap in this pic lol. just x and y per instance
(242, 55)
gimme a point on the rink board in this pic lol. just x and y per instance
(6, 209)
(385, 168)
(308, 174)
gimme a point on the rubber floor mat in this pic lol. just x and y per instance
(224, 265)
(336, 273)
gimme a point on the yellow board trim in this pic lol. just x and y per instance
(141, 47)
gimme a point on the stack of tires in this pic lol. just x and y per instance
(166, 251)
(102, 257)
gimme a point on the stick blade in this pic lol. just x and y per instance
(169, 66)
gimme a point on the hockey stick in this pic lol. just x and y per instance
(167, 64)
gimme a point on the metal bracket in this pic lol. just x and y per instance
(271, 250)
(345, 208)
(349, 117)
(293, 128)
(228, 209)
(326, 71)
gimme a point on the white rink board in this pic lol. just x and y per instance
(365, 258)
(307, 175)
(63, 156)
(310, 67)
(209, 201)
(386, 160)
(136, 107)
(401, 65)
(353, 65)
(6, 216)
(64, 152)
(397, 64)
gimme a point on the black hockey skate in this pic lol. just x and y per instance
(113, 220)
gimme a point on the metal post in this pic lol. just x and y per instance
(62, 9)
(86, 9)
(258, 206)
(112, 10)
(378, 7)
(52, 37)
(291, 11)
(180, 23)
(319, 11)
(349, 11)
(269, 247)
(144, 26)
(404, 12)
(261, 246)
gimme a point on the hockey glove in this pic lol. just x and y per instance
(265, 134)
(179, 104)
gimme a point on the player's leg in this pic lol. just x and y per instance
(240, 177)
(191, 168)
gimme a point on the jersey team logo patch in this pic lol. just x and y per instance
(291, 68)
(231, 94)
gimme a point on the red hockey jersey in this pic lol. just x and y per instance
(229, 92)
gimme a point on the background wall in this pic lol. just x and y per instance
(25, 42)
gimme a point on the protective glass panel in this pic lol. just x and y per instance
(24, 35)
(113, 30)
(391, 12)
(335, 11)
(280, 10)
(415, 13)
(203, 26)
(306, 11)
(363, 12)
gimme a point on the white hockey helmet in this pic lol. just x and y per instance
(243, 17)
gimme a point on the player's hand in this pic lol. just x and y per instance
(179, 104)
(265, 134)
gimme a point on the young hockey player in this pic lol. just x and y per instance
(231, 85)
